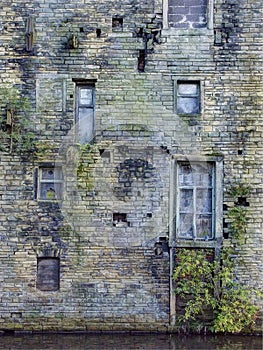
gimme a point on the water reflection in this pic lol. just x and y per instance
(128, 342)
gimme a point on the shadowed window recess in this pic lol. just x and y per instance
(48, 274)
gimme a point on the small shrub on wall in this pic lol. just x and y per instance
(211, 297)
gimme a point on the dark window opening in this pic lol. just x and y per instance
(242, 201)
(48, 274)
(117, 23)
(120, 220)
(141, 61)
(98, 32)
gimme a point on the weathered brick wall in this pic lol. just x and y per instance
(111, 276)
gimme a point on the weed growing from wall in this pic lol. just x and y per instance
(14, 122)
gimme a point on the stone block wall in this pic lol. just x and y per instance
(113, 232)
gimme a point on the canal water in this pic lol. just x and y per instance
(128, 342)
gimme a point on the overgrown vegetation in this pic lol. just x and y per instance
(209, 294)
(208, 287)
(14, 122)
(88, 156)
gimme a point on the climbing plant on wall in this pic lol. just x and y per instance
(208, 289)
(14, 122)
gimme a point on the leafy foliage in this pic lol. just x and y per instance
(239, 218)
(14, 124)
(239, 190)
(206, 286)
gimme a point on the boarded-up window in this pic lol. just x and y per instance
(48, 274)
(186, 14)
(188, 99)
(195, 200)
(50, 183)
(85, 106)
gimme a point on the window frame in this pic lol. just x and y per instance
(217, 209)
(199, 95)
(41, 181)
(197, 31)
(194, 187)
(89, 85)
(39, 277)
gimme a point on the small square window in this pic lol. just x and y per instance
(50, 183)
(188, 97)
(117, 23)
(48, 274)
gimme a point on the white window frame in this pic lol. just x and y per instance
(209, 14)
(89, 85)
(194, 187)
(53, 182)
(217, 206)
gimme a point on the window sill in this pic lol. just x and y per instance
(196, 244)
(188, 32)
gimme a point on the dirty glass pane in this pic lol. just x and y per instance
(186, 200)
(204, 200)
(187, 89)
(186, 229)
(204, 226)
(50, 191)
(188, 105)
(185, 175)
(85, 125)
(203, 174)
(85, 96)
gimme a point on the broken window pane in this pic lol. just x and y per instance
(50, 183)
(50, 191)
